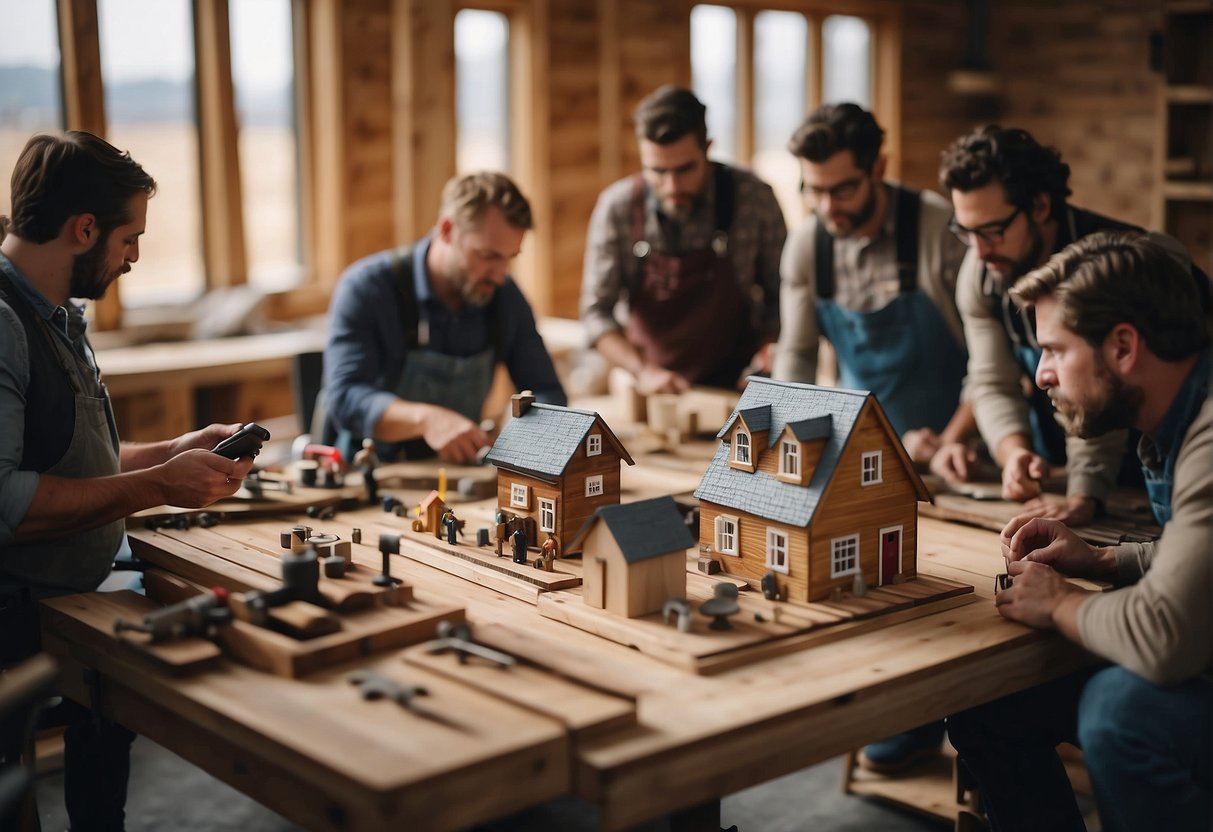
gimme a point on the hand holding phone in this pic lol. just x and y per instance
(244, 442)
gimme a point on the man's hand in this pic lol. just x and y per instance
(1037, 596)
(205, 439)
(921, 444)
(197, 477)
(760, 364)
(1075, 510)
(1022, 473)
(1041, 540)
(455, 437)
(954, 461)
(653, 379)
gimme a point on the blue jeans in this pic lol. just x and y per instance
(1147, 748)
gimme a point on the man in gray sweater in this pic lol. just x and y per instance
(1124, 343)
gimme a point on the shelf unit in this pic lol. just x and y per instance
(1184, 150)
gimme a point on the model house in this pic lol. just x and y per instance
(555, 466)
(812, 485)
(634, 556)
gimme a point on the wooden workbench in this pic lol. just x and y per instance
(580, 714)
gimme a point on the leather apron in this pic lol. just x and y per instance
(79, 561)
(903, 353)
(686, 312)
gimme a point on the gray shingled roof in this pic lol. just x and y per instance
(817, 427)
(760, 493)
(644, 529)
(544, 438)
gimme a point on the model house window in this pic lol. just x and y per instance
(789, 458)
(741, 447)
(519, 495)
(777, 551)
(844, 556)
(547, 515)
(593, 486)
(593, 444)
(726, 535)
(872, 472)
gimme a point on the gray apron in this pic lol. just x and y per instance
(76, 562)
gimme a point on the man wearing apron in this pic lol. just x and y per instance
(416, 333)
(1009, 196)
(693, 248)
(1126, 342)
(66, 483)
(873, 270)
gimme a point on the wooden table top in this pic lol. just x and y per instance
(638, 737)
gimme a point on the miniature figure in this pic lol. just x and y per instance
(518, 541)
(366, 460)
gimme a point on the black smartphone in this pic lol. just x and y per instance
(244, 442)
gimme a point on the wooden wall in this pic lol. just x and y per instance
(1076, 74)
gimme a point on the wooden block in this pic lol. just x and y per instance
(304, 620)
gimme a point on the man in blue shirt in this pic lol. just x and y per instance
(415, 333)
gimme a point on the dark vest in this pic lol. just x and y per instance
(49, 400)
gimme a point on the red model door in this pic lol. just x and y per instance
(890, 554)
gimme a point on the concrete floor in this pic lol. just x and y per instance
(166, 792)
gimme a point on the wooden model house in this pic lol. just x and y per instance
(556, 466)
(634, 556)
(813, 485)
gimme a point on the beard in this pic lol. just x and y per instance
(681, 206)
(90, 280)
(848, 221)
(1114, 407)
(1011, 270)
(478, 293)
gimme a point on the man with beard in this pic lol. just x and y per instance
(873, 270)
(1009, 197)
(693, 246)
(415, 333)
(79, 207)
(1124, 342)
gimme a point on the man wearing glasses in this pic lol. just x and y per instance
(1009, 196)
(693, 246)
(873, 270)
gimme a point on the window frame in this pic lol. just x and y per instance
(884, 24)
(735, 533)
(773, 547)
(789, 449)
(738, 436)
(520, 495)
(547, 508)
(877, 470)
(593, 444)
(838, 551)
(591, 482)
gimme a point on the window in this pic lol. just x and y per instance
(777, 551)
(30, 100)
(741, 447)
(789, 458)
(593, 486)
(593, 444)
(263, 74)
(547, 515)
(844, 556)
(755, 102)
(871, 469)
(714, 69)
(147, 61)
(482, 90)
(726, 535)
(519, 495)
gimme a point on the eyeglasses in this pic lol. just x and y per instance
(844, 190)
(991, 233)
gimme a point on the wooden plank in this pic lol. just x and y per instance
(585, 712)
(102, 609)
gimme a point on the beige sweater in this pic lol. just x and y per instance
(992, 386)
(1161, 627)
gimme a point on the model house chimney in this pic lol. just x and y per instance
(521, 402)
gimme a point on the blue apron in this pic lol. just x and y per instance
(904, 354)
(1178, 418)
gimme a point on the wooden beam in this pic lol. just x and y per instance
(886, 95)
(84, 108)
(610, 103)
(325, 127)
(218, 150)
(745, 86)
(301, 48)
(530, 130)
